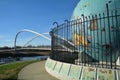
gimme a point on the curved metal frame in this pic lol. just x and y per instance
(34, 32)
(33, 39)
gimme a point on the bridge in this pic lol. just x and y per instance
(21, 52)
(47, 48)
(25, 51)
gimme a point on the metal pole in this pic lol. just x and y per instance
(109, 34)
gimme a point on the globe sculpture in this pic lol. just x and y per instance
(94, 34)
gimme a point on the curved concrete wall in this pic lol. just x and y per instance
(65, 71)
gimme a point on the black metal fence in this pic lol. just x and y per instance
(90, 40)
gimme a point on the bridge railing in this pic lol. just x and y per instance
(90, 40)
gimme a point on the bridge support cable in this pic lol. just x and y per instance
(31, 31)
(33, 39)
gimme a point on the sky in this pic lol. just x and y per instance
(36, 15)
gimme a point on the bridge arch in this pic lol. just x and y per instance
(31, 31)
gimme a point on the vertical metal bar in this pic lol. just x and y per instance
(97, 37)
(76, 46)
(80, 33)
(64, 28)
(104, 37)
(52, 44)
(73, 32)
(84, 37)
(80, 40)
(56, 55)
(76, 27)
(91, 39)
(61, 43)
(55, 40)
(117, 31)
(79, 28)
(87, 46)
(113, 33)
(93, 33)
(109, 34)
(66, 32)
(63, 52)
(101, 33)
(72, 37)
(73, 27)
(77, 32)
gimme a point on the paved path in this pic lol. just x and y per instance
(35, 71)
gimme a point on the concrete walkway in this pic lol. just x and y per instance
(35, 71)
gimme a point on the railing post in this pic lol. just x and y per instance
(66, 21)
(51, 34)
(54, 39)
(107, 7)
(84, 45)
(117, 35)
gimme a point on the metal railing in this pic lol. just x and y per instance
(90, 40)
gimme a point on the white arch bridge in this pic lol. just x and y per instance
(31, 31)
(41, 50)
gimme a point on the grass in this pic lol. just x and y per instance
(10, 71)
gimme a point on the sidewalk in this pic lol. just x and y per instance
(35, 71)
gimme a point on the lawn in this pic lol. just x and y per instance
(10, 71)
